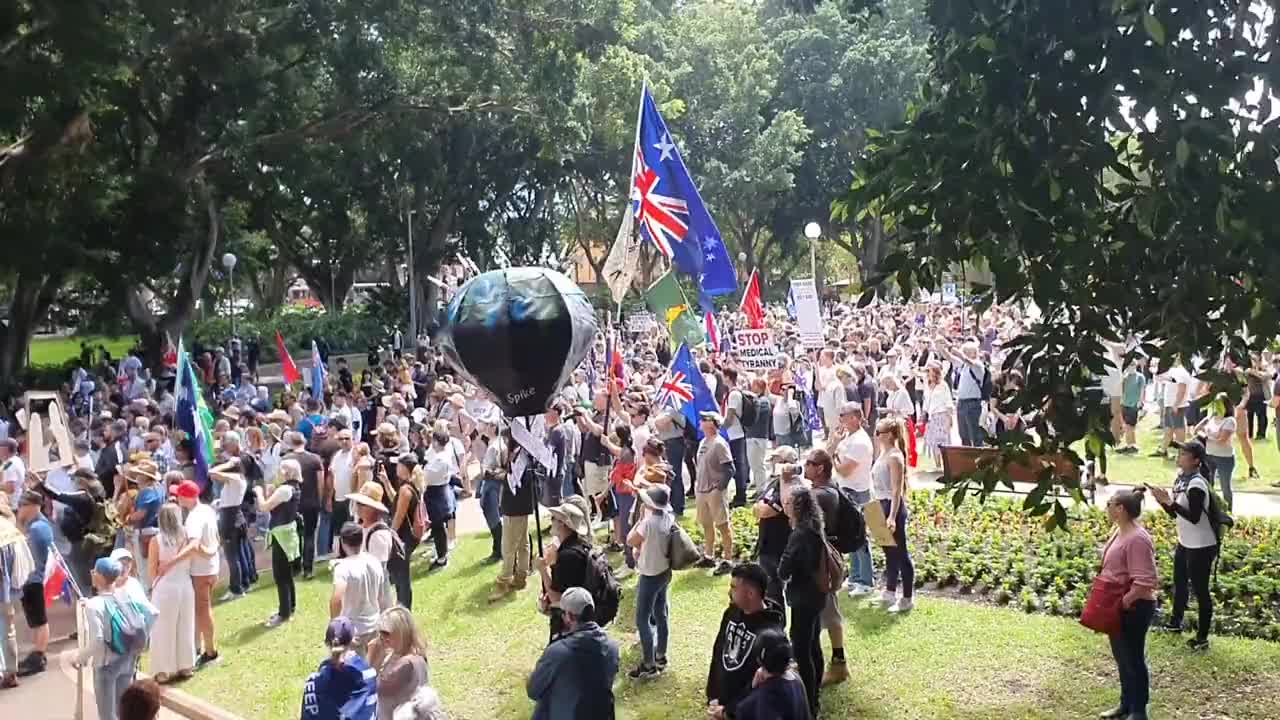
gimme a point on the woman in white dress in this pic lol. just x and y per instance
(173, 638)
(941, 409)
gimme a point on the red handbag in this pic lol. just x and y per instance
(1103, 609)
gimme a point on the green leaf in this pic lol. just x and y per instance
(1154, 28)
(1055, 190)
(1182, 151)
(985, 42)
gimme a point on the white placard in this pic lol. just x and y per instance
(533, 442)
(949, 293)
(808, 313)
(756, 350)
(640, 321)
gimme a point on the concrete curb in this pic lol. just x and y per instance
(173, 700)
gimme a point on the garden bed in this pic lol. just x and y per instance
(995, 552)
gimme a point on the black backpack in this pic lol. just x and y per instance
(749, 409)
(850, 533)
(604, 587)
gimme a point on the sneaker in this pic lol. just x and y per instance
(440, 563)
(206, 659)
(644, 672)
(858, 590)
(276, 621)
(1198, 645)
(661, 662)
(33, 664)
(837, 673)
(228, 596)
(706, 562)
(1253, 473)
(1114, 713)
(724, 568)
(903, 605)
(1169, 627)
(887, 598)
(1157, 454)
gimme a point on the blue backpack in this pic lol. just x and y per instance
(129, 626)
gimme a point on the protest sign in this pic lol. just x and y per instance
(756, 350)
(808, 314)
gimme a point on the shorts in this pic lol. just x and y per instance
(1175, 418)
(595, 479)
(1130, 416)
(831, 617)
(33, 605)
(713, 509)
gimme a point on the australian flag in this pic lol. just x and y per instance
(670, 211)
(685, 389)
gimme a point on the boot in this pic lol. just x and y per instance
(501, 589)
(33, 664)
(836, 673)
(496, 554)
(518, 583)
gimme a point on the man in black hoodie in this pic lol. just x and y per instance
(735, 657)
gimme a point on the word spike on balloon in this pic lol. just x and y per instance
(518, 333)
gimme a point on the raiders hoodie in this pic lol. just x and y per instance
(734, 658)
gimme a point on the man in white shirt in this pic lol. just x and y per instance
(201, 526)
(13, 472)
(1177, 395)
(342, 468)
(851, 455)
(737, 438)
(360, 588)
(832, 397)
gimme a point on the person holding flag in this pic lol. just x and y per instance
(751, 305)
(319, 374)
(194, 418)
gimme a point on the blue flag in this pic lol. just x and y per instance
(810, 406)
(685, 389)
(791, 305)
(670, 211)
(318, 373)
(189, 417)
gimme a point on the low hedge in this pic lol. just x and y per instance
(996, 552)
(347, 332)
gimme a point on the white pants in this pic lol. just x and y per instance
(757, 448)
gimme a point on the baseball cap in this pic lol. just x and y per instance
(1194, 447)
(187, 489)
(575, 600)
(340, 633)
(109, 569)
(121, 554)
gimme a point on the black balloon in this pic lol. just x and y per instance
(518, 333)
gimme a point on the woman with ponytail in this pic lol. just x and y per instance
(889, 488)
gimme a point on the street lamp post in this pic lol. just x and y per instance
(413, 295)
(813, 231)
(229, 262)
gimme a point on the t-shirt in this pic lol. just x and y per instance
(439, 466)
(1178, 376)
(653, 558)
(1212, 445)
(13, 473)
(640, 437)
(233, 491)
(1135, 384)
(713, 468)
(733, 427)
(39, 540)
(202, 526)
(367, 591)
(570, 569)
(312, 472)
(857, 446)
(149, 501)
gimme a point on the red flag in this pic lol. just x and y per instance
(291, 374)
(751, 304)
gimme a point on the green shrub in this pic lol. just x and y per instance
(997, 552)
(348, 332)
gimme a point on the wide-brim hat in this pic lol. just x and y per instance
(142, 469)
(276, 431)
(656, 497)
(713, 416)
(279, 416)
(370, 496)
(783, 453)
(232, 412)
(572, 516)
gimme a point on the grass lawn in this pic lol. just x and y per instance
(57, 350)
(948, 659)
(1137, 469)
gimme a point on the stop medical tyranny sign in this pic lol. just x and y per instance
(756, 350)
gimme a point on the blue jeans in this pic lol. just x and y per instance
(1223, 468)
(324, 533)
(625, 503)
(861, 571)
(1129, 647)
(675, 458)
(651, 612)
(969, 416)
(490, 497)
(741, 470)
(110, 682)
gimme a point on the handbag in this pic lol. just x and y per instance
(682, 553)
(1105, 604)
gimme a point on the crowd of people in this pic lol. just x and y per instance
(368, 473)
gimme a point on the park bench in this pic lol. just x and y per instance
(958, 460)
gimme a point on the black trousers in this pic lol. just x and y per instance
(282, 573)
(1256, 412)
(341, 516)
(1191, 567)
(398, 572)
(436, 503)
(310, 519)
(774, 590)
(806, 642)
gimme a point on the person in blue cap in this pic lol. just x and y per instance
(112, 649)
(344, 687)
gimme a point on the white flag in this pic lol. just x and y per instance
(624, 257)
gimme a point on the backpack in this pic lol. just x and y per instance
(851, 527)
(101, 530)
(831, 571)
(603, 586)
(129, 627)
(419, 519)
(1219, 519)
(682, 553)
(397, 546)
(749, 409)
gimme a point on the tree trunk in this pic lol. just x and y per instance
(429, 250)
(154, 330)
(32, 296)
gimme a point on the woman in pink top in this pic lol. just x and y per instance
(1130, 560)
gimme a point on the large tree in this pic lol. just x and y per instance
(1115, 162)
